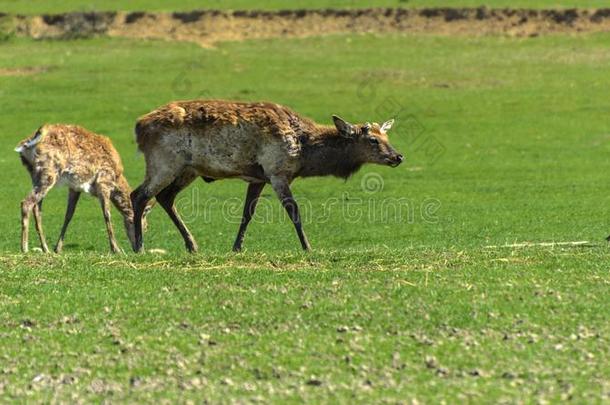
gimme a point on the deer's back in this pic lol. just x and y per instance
(221, 138)
(202, 116)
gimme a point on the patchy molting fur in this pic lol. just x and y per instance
(85, 162)
(257, 142)
(229, 139)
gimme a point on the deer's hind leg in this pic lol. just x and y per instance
(167, 198)
(252, 195)
(42, 185)
(143, 194)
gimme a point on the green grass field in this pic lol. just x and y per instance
(58, 6)
(400, 300)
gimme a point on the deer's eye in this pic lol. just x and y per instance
(374, 141)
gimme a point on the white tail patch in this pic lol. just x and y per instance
(30, 143)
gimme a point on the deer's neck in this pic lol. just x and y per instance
(121, 199)
(326, 153)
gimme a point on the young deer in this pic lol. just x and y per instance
(258, 142)
(85, 162)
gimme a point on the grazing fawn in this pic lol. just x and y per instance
(258, 142)
(85, 162)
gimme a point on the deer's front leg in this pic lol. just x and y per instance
(31, 203)
(73, 197)
(38, 221)
(281, 186)
(26, 207)
(105, 203)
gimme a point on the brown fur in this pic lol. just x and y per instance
(257, 142)
(82, 160)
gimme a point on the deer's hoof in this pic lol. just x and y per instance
(191, 247)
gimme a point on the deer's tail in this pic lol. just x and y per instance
(140, 134)
(169, 116)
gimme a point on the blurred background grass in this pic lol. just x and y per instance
(521, 123)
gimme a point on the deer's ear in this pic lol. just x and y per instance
(387, 125)
(344, 127)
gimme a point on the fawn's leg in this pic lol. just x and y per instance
(105, 203)
(73, 197)
(38, 221)
(42, 185)
(282, 188)
(254, 191)
(167, 197)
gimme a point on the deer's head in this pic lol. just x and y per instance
(371, 140)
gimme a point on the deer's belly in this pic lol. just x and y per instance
(219, 170)
(229, 158)
(76, 183)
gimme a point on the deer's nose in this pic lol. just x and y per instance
(399, 158)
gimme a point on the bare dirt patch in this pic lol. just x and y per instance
(211, 26)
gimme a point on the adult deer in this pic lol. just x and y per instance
(258, 142)
(85, 162)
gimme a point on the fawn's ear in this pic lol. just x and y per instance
(386, 126)
(32, 141)
(344, 127)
